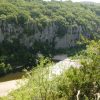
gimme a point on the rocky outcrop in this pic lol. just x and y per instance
(29, 33)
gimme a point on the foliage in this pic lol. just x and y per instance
(16, 55)
(86, 79)
(5, 68)
(34, 16)
(67, 16)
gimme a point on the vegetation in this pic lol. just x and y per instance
(33, 16)
(86, 79)
(67, 16)
(14, 57)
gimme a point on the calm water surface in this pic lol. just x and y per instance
(12, 76)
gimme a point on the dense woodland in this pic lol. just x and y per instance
(33, 14)
(70, 18)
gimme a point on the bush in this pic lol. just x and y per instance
(16, 55)
(86, 79)
(5, 68)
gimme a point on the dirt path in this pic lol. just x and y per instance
(8, 86)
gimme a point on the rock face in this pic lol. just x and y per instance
(29, 33)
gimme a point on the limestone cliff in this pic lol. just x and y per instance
(30, 33)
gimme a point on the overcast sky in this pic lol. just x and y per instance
(97, 1)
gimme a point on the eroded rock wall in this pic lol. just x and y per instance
(10, 31)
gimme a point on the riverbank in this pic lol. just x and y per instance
(8, 86)
(57, 69)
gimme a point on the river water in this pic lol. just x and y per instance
(12, 76)
(19, 75)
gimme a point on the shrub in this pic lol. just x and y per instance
(86, 79)
(5, 68)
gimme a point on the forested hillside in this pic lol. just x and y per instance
(31, 26)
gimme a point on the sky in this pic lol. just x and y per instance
(97, 1)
